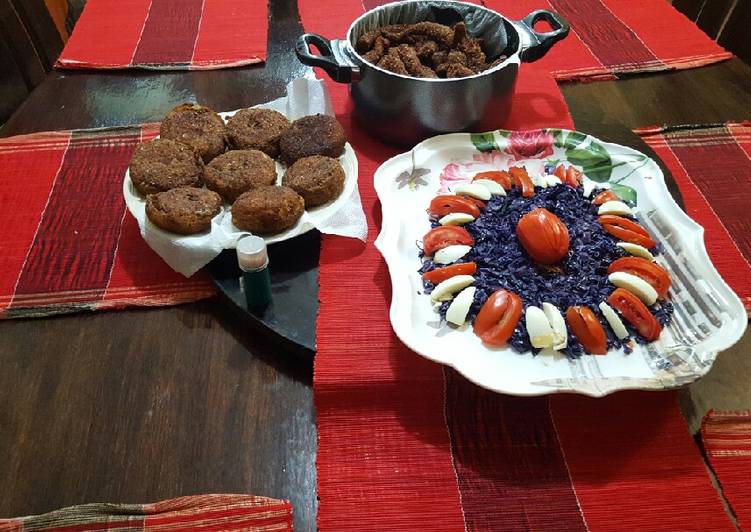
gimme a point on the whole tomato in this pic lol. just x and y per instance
(543, 236)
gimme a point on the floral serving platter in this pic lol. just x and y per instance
(708, 316)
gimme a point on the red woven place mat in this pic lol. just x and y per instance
(727, 442)
(197, 512)
(164, 34)
(712, 167)
(608, 37)
(68, 242)
(406, 444)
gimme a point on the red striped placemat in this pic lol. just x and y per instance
(608, 37)
(727, 442)
(163, 34)
(197, 512)
(406, 444)
(712, 166)
(69, 243)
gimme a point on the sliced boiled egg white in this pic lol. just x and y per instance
(450, 254)
(445, 290)
(588, 185)
(473, 190)
(538, 327)
(560, 335)
(614, 207)
(553, 180)
(636, 250)
(636, 285)
(494, 188)
(614, 321)
(539, 180)
(459, 307)
(456, 218)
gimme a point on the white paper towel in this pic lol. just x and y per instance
(344, 216)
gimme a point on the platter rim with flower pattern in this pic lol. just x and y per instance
(708, 317)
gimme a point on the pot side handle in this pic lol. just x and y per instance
(536, 44)
(333, 58)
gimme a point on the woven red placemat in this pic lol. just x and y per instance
(196, 512)
(163, 34)
(727, 442)
(712, 166)
(406, 444)
(614, 37)
(68, 242)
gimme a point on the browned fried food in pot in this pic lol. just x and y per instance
(412, 63)
(439, 33)
(455, 70)
(424, 50)
(393, 63)
(380, 48)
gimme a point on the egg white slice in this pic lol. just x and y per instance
(473, 190)
(613, 320)
(494, 188)
(636, 250)
(538, 327)
(560, 334)
(456, 218)
(450, 254)
(636, 285)
(459, 307)
(614, 207)
(445, 290)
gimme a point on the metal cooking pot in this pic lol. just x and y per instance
(403, 109)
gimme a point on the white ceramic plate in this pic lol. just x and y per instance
(708, 316)
(222, 228)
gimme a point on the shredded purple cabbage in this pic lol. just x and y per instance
(580, 279)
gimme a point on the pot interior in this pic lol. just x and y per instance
(498, 34)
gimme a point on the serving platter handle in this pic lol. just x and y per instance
(536, 44)
(333, 57)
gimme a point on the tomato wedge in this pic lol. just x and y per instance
(570, 176)
(499, 176)
(636, 313)
(626, 230)
(498, 317)
(520, 178)
(445, 235)
(480, 204)
(543, 236)
(560, 173)
(441, 274)
(443, 205)
(573, 177)
(654, 274)
(605, 195)
(587, 329)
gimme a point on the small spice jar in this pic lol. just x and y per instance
(253, 259)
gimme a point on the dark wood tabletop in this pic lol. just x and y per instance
(143, 405)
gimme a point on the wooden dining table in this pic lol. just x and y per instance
(146, 404)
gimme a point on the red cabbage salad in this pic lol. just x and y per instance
(532, 262)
